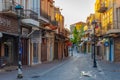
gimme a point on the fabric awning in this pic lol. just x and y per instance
(81, 43)
(99, 43)
(51, 27)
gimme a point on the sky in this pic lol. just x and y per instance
(75, 10)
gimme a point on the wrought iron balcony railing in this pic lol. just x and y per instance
(8, 8)
(45, 15)
(102, 8)
(30, 14)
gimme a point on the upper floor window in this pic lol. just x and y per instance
(17, 1)
(35, 5)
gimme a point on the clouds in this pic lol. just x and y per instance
(75, 10)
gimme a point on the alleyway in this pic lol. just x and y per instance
(78, 67)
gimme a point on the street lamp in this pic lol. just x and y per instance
(94, 56)
(19, 9)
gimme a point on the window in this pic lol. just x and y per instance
(17, 1)
(35, 6)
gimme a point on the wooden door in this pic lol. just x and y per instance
(25, 51)
(44, 50)
(56, 50)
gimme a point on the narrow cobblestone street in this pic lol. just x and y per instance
(77, 67)
(59, 39)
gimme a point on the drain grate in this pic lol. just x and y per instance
(36, 76)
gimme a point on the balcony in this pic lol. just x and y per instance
(102, 8)
(30, 18)
(114, 30)
(8, 8)
(44, 18)
(103, 32)
(31, 14)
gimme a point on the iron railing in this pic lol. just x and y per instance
(9, 7)
(30, 14)
(45, 15)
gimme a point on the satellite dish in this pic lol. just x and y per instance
(1, 35)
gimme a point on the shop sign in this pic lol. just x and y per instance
(5, 22)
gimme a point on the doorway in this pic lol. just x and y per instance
(9, 51)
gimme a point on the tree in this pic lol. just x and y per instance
(81, 32)
(77, 35)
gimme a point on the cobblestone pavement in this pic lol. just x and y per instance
(110, 70)
(77, 67)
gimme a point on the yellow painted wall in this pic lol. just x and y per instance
(85, 28)
(106, 17)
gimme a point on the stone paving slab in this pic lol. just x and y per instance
(111, 70)
(77, 67)
(34, 71)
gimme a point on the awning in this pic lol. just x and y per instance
(81, 43)
(99, 43)
(31, 22)
(112, 31)
(51, 27)
(68, 43)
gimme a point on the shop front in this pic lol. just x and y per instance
(35, 48)
(56, 40)
(50, 46)
(8, 41)
(9, 49)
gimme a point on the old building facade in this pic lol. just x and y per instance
(42, 32)
(108, 16)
